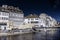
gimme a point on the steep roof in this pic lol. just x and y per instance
(6, 8)
(32, 16)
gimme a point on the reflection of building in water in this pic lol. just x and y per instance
(10, 16)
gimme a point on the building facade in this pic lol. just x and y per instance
(32, 19)
(46, 21)
(43, 20)
(10, 17)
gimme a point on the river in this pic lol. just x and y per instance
(42, 35)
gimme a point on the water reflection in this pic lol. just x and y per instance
(48, 35)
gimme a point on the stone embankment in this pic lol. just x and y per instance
(29, 31)
(15, 32)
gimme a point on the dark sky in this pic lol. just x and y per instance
(51, 7)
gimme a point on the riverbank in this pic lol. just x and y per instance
(13, 33)
(28, 31)
(34, 36)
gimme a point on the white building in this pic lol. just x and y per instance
(43, 20)
(46, 21)
(10, 17)
(33, 19)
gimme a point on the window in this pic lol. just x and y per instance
(11, 14)
(28, 18)
(28, 22)
(0, 13)
(4, 18)
(5, 14)
(34, 22)
(3, 23)
(32, 19)
(36, 19)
